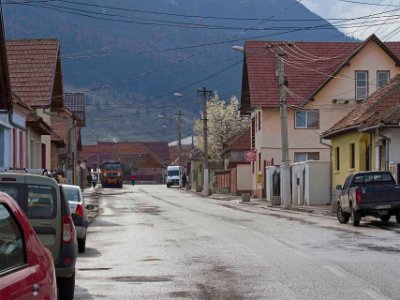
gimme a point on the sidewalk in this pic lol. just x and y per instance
(322, 210)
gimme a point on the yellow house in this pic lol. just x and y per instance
(325, 81)
(368, 138)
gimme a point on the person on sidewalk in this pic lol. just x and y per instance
(184, 180)
(133, 178)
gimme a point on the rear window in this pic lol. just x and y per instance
(41, 202)
(71, 194)
(37, 201)
(373, 178)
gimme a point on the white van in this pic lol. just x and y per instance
(173, 175)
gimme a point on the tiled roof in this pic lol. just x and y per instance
(382, 108)
(75, 102)
(307, 65)
(240, 141)
(155, 149)
(33, 76)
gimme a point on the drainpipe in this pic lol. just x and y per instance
(330, 173)
(387, 148)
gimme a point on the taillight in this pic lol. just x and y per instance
(358, 196)
(79, 210)
(68, 230)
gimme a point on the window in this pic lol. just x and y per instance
(253, 136)
(37, 201)
(259, 161)
(259, 120)
(352, 158)
(361, 85)
(382, 78)
(12, 252)
(307, 119)
(337, 159)
(303, 156)
(41, 202)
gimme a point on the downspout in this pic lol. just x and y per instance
(387, 148)
(330, 173)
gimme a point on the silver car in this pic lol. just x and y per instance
(78, 209)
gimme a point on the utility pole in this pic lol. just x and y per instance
(179, 128)
(205, 94)
(285, 193)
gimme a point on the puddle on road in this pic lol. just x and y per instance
(149, 209)
(94, 269)
(388, 250)
(182, 294)
(142, 278)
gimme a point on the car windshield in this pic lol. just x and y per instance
(112, 166)
(71, 194)
(173, 173)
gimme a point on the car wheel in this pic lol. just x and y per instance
(398, 217)
(66, 287)
(81, 245)
(385, 218)
(355, 218)
(168, 185)
(342, 217)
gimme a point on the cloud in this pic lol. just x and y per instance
(359, 28)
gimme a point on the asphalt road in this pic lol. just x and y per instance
(151, 242)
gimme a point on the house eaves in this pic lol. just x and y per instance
(371, 38)
(335, 133)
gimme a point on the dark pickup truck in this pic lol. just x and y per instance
(368, 194)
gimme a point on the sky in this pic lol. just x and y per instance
(383, 16)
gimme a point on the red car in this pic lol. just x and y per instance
(26, 266)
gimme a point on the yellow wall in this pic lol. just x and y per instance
(361, 140)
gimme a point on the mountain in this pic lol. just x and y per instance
(130, 57)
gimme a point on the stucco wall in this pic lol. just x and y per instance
(334, 101)
(46, 139)
(343, 142)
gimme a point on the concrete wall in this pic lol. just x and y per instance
(243, 177)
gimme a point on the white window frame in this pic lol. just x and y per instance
(358, 88)
(387, 72)
(305, 154)
(305, 119)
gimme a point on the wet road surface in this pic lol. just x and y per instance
(151, 242)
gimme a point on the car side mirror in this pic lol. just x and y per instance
(339, 187)
(89, 206)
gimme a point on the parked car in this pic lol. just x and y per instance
(43, 202)
(26, 266)
(79, 212)
(368, 194)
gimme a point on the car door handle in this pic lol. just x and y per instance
(45, 223)
(35, 289)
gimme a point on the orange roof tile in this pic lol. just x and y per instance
(381, 109)
(308, 67)
(32, 65)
